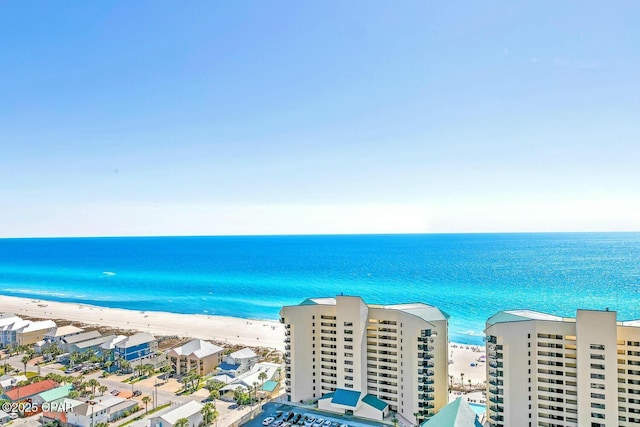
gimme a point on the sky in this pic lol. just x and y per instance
(284, 117)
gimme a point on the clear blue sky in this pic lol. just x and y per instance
(158, 117)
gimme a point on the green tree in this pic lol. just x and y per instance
(262, 377)
(93, 383)
(103, 389)
(209, 413)
(146, 400)
(73, 394)
(214, 394)
(25, 359)
(182, 422)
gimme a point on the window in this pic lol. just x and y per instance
(596, 347)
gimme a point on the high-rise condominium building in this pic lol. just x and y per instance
(367, 360)
(545, 370)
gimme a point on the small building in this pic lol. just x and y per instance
(33, 332)
(29, 391)
(4, 417)
(52, 395)
(87, 414)
(353, 402)
(200, 355)
(8, 327)
(237, 363)
(61, 332)
(118, 407)
(456, 414)
(69, 341)
(90, 345)
(169, 416)
(138, 346)
(7, 382)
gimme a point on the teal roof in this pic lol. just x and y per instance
(375, 402)
(269, 385)
(456, 414)
(56, 393)
(346, 397)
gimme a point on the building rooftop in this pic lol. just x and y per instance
(81, 337)
(30, 390)
(38, 326)
(456, 414)
(95, 341)
(62, 331)
(174, 413)
(198, 348)
(421, 310)
(521, 316)
(346, 397)
(108, 345)
(373, 401)
(56, 393)
(245, 353)
(137, 339)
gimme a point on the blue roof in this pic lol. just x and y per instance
(326, 396)
(371, 400)
(228, 366)
(346, 397)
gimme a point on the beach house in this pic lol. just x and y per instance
(87, 414)
(52, 395)
(168, 417)
(367, 360)
(136, 347)
(68, 342)
(238, 362)
(200, 355)
(17, 394)
(117, 407)
(16, 331)
(7, 382)
(91, 345)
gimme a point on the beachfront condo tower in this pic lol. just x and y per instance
(367, 360)
(545, 370)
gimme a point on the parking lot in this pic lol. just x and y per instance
(304, 417)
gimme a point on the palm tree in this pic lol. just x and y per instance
(450, 382)
(214, 394)
(146, 400)
(262, 377)
(103, 389)
(182, 422)
(462, 380)
(25, 359)
(93, 383)
(209, 413)
(125, 365)
(73, 394)
(469, 384)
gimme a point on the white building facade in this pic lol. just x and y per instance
(367, 360)
(545, 370)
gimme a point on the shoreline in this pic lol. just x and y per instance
(223, 329)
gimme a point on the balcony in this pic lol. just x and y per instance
(495, 399)
(496, 408)
(426, 364)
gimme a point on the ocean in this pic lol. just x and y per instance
(469, 276)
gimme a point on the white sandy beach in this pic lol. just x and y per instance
(265, 333)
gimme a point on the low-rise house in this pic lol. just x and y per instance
(138, 346)
(7, 382)
(4, 417)
(89, 345)
(117, 407)
(237, 363)
(52, 395)
(28, 391)
(61, 416)
(169, 416)
(87, 414)
(67, 342)
(254, 378)
(8, 327)
(33, 332)
(200, 355)
(56, 336)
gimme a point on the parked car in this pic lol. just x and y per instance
(277, 423)
(290, 416)
(327, 423)
(296, 419)
(137, 393)
(309, 421)
(278, 414)
(267, 421)
(319, 422)
(115, 392)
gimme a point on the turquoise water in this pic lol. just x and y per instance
(470, 276)
(478, 408)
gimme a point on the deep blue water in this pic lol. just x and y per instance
(469, 276)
